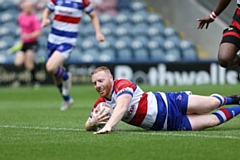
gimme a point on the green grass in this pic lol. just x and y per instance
(33, 128)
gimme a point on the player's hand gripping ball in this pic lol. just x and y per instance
(106, 107)
(106, 110)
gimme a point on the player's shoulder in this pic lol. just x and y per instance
(123, 84)
(122, 81)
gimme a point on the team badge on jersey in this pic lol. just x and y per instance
(179, 97)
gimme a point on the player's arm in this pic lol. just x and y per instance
(45, 17)
(221, 6)
(97, 118)
(96, 26)
(90, 125)
(36, 34)
(122, 103)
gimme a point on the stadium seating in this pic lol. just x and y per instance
(189, 54)
(123, 5)
(104, 45)
(8, 16)
(154, 18)
(157, 55)
(121, 19)
(105, 18)
(140, 29)
(42, 41)
(9, 4)
(107, 55)
(138, 6)
(7, 41)
(173, 55)
(6, 58)
(141, 55)
(124, 55)
(120, 44)
(90, 55)
(130, 30)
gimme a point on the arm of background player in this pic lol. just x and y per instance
(222, 5)
(45, 17)
(96, 26)
(122, 104)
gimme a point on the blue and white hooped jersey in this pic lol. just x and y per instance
(67, 15)
(147, 110)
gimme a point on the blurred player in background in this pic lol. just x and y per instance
(30, 31)
(63, 37)
(230, 44)
(156, 110)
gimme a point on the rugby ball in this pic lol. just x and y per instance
(107, 108)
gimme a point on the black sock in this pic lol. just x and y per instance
(33, 78)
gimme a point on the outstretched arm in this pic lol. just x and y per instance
(97, 118)
(122, 103)
(222, 4)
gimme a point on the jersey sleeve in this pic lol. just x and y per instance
(88, 7)
(51, 5)
(124, 86)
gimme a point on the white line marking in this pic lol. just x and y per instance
(165, 133)
(40, 128)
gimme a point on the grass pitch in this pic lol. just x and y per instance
(33, 128)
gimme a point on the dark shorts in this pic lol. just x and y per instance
(30, 46)
(232, 33)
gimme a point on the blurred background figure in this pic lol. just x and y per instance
(30, 31)
(62, 40)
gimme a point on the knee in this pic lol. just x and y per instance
(17, 64)
(29, 65)
(214, 121)
(223, 62)
(50, 68)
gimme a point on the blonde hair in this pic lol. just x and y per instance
(101, 68)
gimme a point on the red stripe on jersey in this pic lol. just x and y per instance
(53, 1)
(85, 3)
(227, 114)
(231, 34)
(238, 11)
(235, 24)
(141, 111)
(67, 19)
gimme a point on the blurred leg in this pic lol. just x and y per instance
(19, 59)
(30, 64)
(227, 55)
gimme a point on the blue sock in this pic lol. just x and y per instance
(66, 98)
(225, 114)
(62, 73)
(223, 99)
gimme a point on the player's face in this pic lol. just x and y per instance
(27, 7)
(103, 83)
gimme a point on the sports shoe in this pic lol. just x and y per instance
(66, 104)
(235, 99)
(67, 85)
